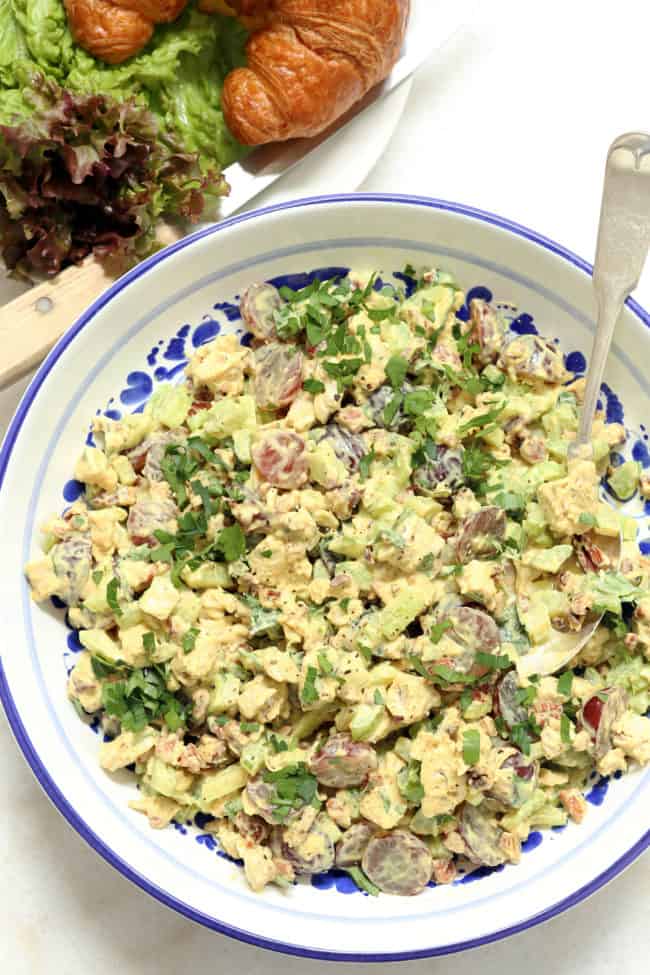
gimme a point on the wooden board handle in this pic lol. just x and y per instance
(34, 321)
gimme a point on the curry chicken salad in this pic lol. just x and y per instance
(306, 580)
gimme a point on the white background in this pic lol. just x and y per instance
(514, 115)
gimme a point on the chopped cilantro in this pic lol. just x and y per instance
(418, 401)
(149, 642)
(525, 695)
(493, 661)
(427, 562)
(565, 729)
(316, 330)
(231, 542)
(438, 629)
(294, 786)
(416, 664)
(477, 464)
(143, 698)
(391, 408)
(380, 314)
(205, 452)
(309, 694)
(248, 727)
(189, 639)
(163, 553)
(450, 676)
(112, 590)
(501, 726)
(482, 420)
(278, 744)
(520, 734)
(210, 506)
(365, 464)
(362, 881)
(565, 683)
(471, 746)
(313, 386)
(396, 369)
(324, 664)
(344, 369)
(466, 348)
(102, 668)
(267, 553)
(434, 336)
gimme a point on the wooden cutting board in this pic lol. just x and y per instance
(32, 323)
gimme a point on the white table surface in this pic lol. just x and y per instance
(514, 115)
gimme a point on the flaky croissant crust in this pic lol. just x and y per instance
(309, 62)
(313, 61)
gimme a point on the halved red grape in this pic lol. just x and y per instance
(71, 561)
(481, 836)
(341, 763)
(146, 517)
(398, 863)
(257, 306)
(480, 533)
(278, 375)
(350, 848)
(280, 459)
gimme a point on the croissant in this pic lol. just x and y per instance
(115, 30)
(311, 61)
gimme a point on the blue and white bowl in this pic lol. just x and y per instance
(140, 333)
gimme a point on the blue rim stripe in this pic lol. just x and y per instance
(13, 716)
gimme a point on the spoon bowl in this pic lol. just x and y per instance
(623, 241)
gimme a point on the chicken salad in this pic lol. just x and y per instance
(306, 578)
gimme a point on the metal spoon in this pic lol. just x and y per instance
(623, 241)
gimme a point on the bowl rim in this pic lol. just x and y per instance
(13, 716)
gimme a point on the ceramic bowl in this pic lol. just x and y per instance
(140, 333)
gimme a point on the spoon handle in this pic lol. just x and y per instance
(623, 241)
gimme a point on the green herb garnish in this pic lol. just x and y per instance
(438, 629)
(493, 661)
(112, 590)
(149, 642)
(249, 727)
(471, 746)
(294, 787)
(143, 698)
(396, 369)
(309, 694)
(365, 464)
(482, 420)
(231, 542)
(189, 639)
